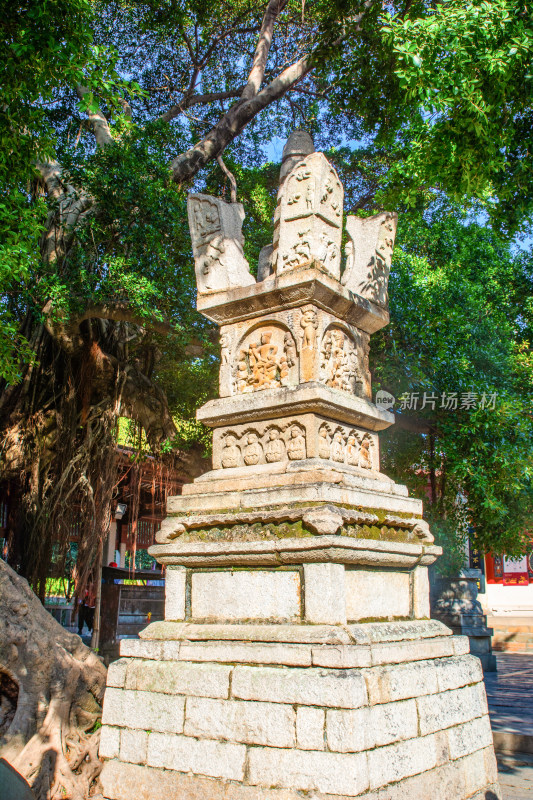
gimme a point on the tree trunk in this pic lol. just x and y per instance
(51, 691)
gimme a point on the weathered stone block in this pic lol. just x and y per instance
(398, 652)
(472, 736)
(325, 594)
(109, 741)
(143, 710)
(175, 579)
(420, 580)
(447, 709)
(122, 781)
(401, 682)
(201, 756)
(491, 765)
(133, 746)
(396, 761)
(461, 645)
(452, 673)
(310, 728)
(116, 672)
(334, 773)
(141, 648)
(475, 771)
(171, 651)
(341, 657)
(202, 680)
(269, 724)
(441, 783)
(375, 594)
(259, 594)
(343, 689)
(365, 728)
(247, 653)
(391, 722)
(348, 731)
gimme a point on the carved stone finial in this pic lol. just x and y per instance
(216, 234)
(310, 226)
(369, 254)
(297, 147)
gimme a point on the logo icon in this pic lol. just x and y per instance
(384, 400)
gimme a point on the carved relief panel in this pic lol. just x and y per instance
(291, 347)
(344, 361)
(266, 359)
(280, 442)
(311, 217)
(264, 443)
(350, 446)
(369, 254)
(216, 235)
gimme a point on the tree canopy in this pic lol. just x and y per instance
(457, 356)
(112, 110)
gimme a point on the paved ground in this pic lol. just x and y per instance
(510, 696)
(516, 777)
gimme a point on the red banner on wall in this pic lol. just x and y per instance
(515, 571)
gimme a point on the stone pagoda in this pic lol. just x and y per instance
(297, 658)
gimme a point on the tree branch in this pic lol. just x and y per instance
(187, 164)
(99, 123)
(255, 78)
(198, 99)
(122, 312)
(231, 177)
(67, 333)
(51, 172)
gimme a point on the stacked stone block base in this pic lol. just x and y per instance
(402, 716)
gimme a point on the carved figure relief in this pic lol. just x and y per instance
(216, 234)
(369, 254)
(276, 444)
(346, 446)
(231, 455)
(365, 459)
(311, 217)
(206, 219)
(324, 443)
(253, 451)
(337, 448)
(339, 363)
(352, 451)
(328, 252)
(296, 445)
(290, 350)
(300, 252)
(309, 324)
(267, 360)
(224, 349)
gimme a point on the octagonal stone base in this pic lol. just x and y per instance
(377, 711)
